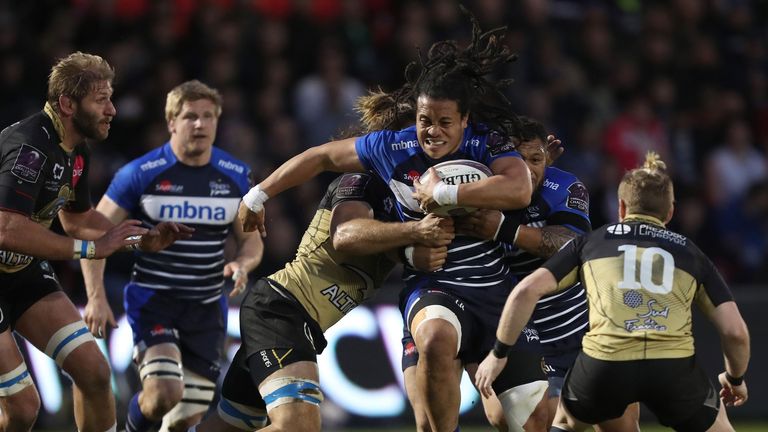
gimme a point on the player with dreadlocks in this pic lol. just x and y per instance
(459, 114)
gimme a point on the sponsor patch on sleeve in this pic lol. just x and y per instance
(352, 186)
(498, 144)
(29, 163)
(578, 197)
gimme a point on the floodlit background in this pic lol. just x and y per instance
(612, 79)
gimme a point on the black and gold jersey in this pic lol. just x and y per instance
(641, 280)
(38, 177)
(328, 283)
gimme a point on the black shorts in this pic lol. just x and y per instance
(20, 290)
(276, 330)
(676, 390)
(198, 329)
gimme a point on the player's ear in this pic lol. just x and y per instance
(171, 125)
(670, 213)
(465, 120)
(67, 105)
(622, 209)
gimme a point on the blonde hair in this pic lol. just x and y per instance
(379, 111)
(648, 190)
(75, 75)
(190, 91)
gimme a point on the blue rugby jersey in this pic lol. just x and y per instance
(474, 269)
(155, 188)
(560, 319)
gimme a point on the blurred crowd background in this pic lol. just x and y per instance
(612, 79)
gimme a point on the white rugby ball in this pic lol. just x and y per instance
(457, 172)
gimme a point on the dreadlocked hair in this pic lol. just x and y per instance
(648, 190)
(453, 73)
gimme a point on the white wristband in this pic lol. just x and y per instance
(77, 249)
(445, 194)
(408, 252)
(255, 199)
(498, 228)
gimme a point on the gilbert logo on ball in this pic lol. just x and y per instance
(458, 172)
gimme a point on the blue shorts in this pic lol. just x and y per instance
(198, 329)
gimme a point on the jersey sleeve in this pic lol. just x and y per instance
(373, 150)
(569, 205)
(21, 173)
(125, 188)
(712, 290)
(351, 187)
(82, 201)
(566, 263)
(496, 147)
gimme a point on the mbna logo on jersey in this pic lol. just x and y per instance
(619, 229)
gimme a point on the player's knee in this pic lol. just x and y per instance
(20, 411)
(158, 397)
(198, 393)
(92, 376)
(437, 341)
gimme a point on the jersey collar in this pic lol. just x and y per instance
(56, 120)
(643, 218)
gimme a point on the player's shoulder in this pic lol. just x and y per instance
(228, 164)
(152, 162)
(557, 179)
(36, 131)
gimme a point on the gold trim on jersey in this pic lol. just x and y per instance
(637, 217)
(57, 123)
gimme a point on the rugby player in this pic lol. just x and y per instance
(345, 254)
(44, 174)
(459, 115)
(641, 280)
(174, 301)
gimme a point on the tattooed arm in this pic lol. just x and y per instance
(545, 241)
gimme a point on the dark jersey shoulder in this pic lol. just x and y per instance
(362, 187)
(37, 176)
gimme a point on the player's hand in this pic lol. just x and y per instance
(434, 231)
(98, 315)
(487, 372)
(730, 394)
(251, 221)
(554, 149)
(482, 224)
(122, 235)
(163, 235)
(234, 270)
(429, 259)
(423, 191)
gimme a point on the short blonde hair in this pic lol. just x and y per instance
(648, 190)
(75, 75)
(190, 91)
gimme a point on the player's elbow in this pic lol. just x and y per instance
(344, 241)
(736, 333)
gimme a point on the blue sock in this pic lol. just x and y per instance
(136, 422)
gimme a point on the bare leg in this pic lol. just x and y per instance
(18, 411)
(438, 372)
(295, 416)
(93, 399)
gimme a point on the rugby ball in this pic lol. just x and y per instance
(457, 172)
